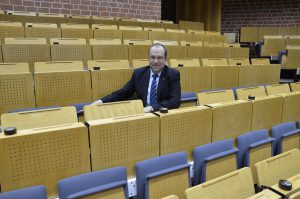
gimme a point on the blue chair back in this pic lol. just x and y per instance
(36, 192)
(93, 183)
(278, 132)
(250, 140)
(209, 152)
(158, 166)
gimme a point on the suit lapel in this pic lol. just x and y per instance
(162, 81)
(146, 77)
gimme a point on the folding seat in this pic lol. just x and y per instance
(17, 89)
(220, 52)
(174, 50)
(292, 30)
(215, 96)
(212, 33)
(238, 61)
(113, 110)
(295, 86)
(287, 137)
(270, 73)
(257, 91)
(282, 166)
(52, 18)
(290, 107)
(40, 30)
(187, 62)
(185, 128)
(128, 22)
(80, 19)
(249, 75)
(293, 40)
(70, 49)
(76, 31)
(254, 147)
(26, 193)
(108, 49)
(137, 48)
(11, 29)
(155, 35)
(175, 30)
(214, 62)
(104, 27)
(260, 61)
(134, 34)
(1, 57)
(236, 184)
(48, 116)
(199, 52)
(231, 119)
(277, 89)
(200, 36)
(238, 52)
(108, 32)
(136, 63)
(290, 61)
(104, 82)
(262, 31)
(266, 112)
(162, 176)
(191, 43)
(169, 25)
(108, 64)
(180, 36)
(104, 20)
(194, 79)
(224, 77)
(192, 31)
(149, 23)
(20, 16)
(1, 15)
(133, 138)
(171, 197)
(48, 154)
(212, 44)
(249, 34)
(58, 66)
(272, 45)
(108, 183)
(185, 25)
(214, 160)
(150, 29)
(58, 84)
(28, 50)
(218, 38)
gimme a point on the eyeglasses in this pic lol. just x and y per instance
(152, 58)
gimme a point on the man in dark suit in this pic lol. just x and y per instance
(157, 85)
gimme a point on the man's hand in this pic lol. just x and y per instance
(148, 109)
(98, 102)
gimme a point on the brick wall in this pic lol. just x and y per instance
(238, 13)
(142, 9)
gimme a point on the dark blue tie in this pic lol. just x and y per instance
(153, 90)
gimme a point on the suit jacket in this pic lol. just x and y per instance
(168, 89)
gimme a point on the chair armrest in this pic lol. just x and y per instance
(256, 144)
(291, 133)
(220, 155)
(97, 189)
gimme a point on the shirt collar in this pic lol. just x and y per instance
(152, 73)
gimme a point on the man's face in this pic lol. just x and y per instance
(157, 59)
